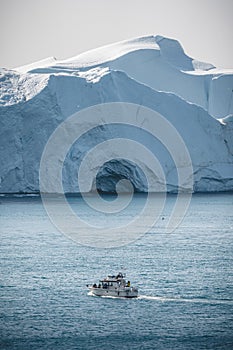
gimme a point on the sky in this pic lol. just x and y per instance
(31, 30)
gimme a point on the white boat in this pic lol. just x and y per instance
(114, 286)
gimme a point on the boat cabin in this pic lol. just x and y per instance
(113, 282)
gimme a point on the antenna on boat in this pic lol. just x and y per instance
(123, 269)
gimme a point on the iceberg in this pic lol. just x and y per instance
(152, 71)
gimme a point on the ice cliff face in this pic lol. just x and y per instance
(195, 97)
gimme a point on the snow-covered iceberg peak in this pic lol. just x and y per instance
(169, 49)
(157, 62)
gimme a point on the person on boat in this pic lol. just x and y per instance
(128, 284)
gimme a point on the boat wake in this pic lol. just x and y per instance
(185, 300)
(166, 299)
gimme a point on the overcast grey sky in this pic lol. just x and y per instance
(31, 30)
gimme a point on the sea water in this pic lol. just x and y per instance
(185, 282)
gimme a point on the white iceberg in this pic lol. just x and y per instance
(153, 71)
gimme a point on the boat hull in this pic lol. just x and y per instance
(126, 293)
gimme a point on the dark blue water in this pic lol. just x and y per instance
(185, 281)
